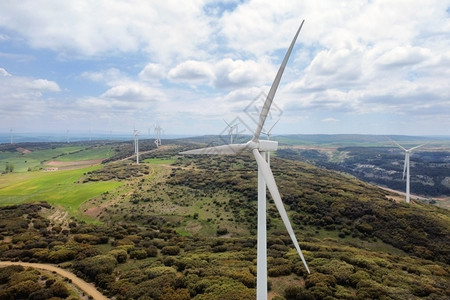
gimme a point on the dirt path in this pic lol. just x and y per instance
(88, 288)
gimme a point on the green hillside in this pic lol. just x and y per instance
(180, 227)
(33, 156)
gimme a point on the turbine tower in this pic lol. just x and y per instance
(158, 130)
(408, 153)
(230, 130)
(265, 177)
(10, 135)
(136, 145)
(268, 138)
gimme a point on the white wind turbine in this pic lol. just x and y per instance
(136, 145)
(408, 153)
(10, 135)
(158, 130)
(231, 129)
(265, 176)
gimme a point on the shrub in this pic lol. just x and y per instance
(138, 253)
(92, 266)
(120, 255)
(170, 250)
(160, 271)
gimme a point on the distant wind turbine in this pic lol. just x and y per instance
(67, 136)
(265, 176)
(136, 145)
(408, 153)
(10, 135)
(231, 129)
(158, 131)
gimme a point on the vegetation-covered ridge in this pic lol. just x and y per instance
(430, 169)
(325, 200)
(180, 227)
(154, 262)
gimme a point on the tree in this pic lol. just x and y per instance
(9, 168)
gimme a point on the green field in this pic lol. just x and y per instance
(33, 160)
(60, 188)
(87, 154)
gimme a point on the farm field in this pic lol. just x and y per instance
(32, 157)
(60, 188)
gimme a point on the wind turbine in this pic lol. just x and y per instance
(10, 135)
(265, 177)
(136, 145)
(408, 153)
(158, 130)
(230, 130)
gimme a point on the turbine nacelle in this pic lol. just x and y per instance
(267, 145)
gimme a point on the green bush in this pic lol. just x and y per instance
(120, 255)
(170, 250)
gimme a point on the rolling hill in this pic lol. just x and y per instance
(184, 228)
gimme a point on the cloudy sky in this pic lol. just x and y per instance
(359, 66)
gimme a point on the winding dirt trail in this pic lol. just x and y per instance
(88, 288)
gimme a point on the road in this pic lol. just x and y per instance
(88, 288)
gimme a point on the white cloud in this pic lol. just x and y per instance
(192, 72)
(163, 28)
(403, 56)
(231, 73)
(4, 73)
(109, 76)
(330, 120)
(134, 92)
(200, 58)
(153, 71)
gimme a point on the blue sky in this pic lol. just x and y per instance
(368, 67)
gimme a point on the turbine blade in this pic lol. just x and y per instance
(227, 123)
(400, 146)
(414, 148)
(268, 132)
(404, 166)
(273, 88)
(271, 184)
(231, 149)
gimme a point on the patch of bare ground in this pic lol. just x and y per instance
(68, 165)
(59, 217)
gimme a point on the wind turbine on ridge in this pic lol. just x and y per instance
(230, 130)
(265, 177)
(158, 130)
(136, 145)
(408, 153)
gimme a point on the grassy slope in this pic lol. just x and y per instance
(59, 188)
(34, 159)
(88, 154)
